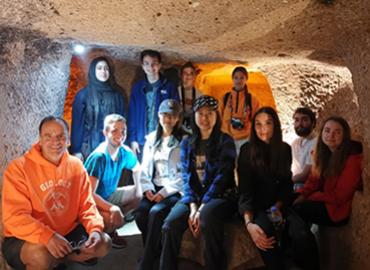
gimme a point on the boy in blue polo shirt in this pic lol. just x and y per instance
(104, 166)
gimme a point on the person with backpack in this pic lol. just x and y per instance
(238, 108)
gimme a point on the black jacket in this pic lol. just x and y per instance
(260, 188)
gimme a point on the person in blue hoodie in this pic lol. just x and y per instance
(146, 96)
(91, 105)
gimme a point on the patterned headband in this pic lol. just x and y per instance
(205, 101)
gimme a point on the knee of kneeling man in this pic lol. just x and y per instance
(40, 257)
(105, 246)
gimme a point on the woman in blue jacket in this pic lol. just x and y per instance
(92, 104)
(208, 160)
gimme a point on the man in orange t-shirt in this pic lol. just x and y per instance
(48, 210)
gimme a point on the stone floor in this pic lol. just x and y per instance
(119, 259)
(127, 258)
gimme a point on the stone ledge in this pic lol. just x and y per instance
(240, 250)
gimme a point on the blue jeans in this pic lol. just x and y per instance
(149, 219)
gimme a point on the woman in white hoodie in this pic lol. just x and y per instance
(161, 180)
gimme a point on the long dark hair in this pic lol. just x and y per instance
(264, 155)
(214, 139)
(177, 131)
(325, 162)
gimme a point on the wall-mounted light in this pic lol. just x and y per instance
(78, 49)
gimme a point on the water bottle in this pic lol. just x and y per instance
(277, 221)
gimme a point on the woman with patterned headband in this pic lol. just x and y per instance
(208, 160)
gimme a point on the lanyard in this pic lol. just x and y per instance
(183, 96)
(245, 107)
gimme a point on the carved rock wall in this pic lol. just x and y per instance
(323, 87)
(34, 70)
(34, 75)
(357, 55)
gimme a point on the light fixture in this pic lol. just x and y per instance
(79, 49)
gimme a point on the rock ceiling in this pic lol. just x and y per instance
(231, 29)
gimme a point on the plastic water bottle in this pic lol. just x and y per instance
(274, 215)
(277, 221)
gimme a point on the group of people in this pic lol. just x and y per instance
(185, 148)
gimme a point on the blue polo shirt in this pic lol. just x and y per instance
(100, 165)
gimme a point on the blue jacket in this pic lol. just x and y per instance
(137, 109)
(219, 170)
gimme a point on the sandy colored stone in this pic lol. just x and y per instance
(310, 52)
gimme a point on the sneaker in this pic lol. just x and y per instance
(117, 241)
(130, 216)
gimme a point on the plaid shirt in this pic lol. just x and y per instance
(219, 170)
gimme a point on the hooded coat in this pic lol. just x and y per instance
(91, 105)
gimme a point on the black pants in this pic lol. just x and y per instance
(273, 258)
(301, 242)
(296, 236)
(316, 212)
(212, 218)
(149, 219)
(300, 236)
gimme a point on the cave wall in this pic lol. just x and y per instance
(357, 56)
(320, 86)
(34, 73)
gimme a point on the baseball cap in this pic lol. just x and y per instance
(171, 106)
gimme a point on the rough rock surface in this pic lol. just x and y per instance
(322, 87)
(34, 76)
(34, 60)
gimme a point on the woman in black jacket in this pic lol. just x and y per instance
(264, 181)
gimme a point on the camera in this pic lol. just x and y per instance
(236, 123)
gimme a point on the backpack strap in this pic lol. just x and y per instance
(247, 102)
(226, 97)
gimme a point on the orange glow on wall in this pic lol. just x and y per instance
(214, 79)
(77, 80)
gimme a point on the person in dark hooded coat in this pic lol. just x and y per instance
(98, 99)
